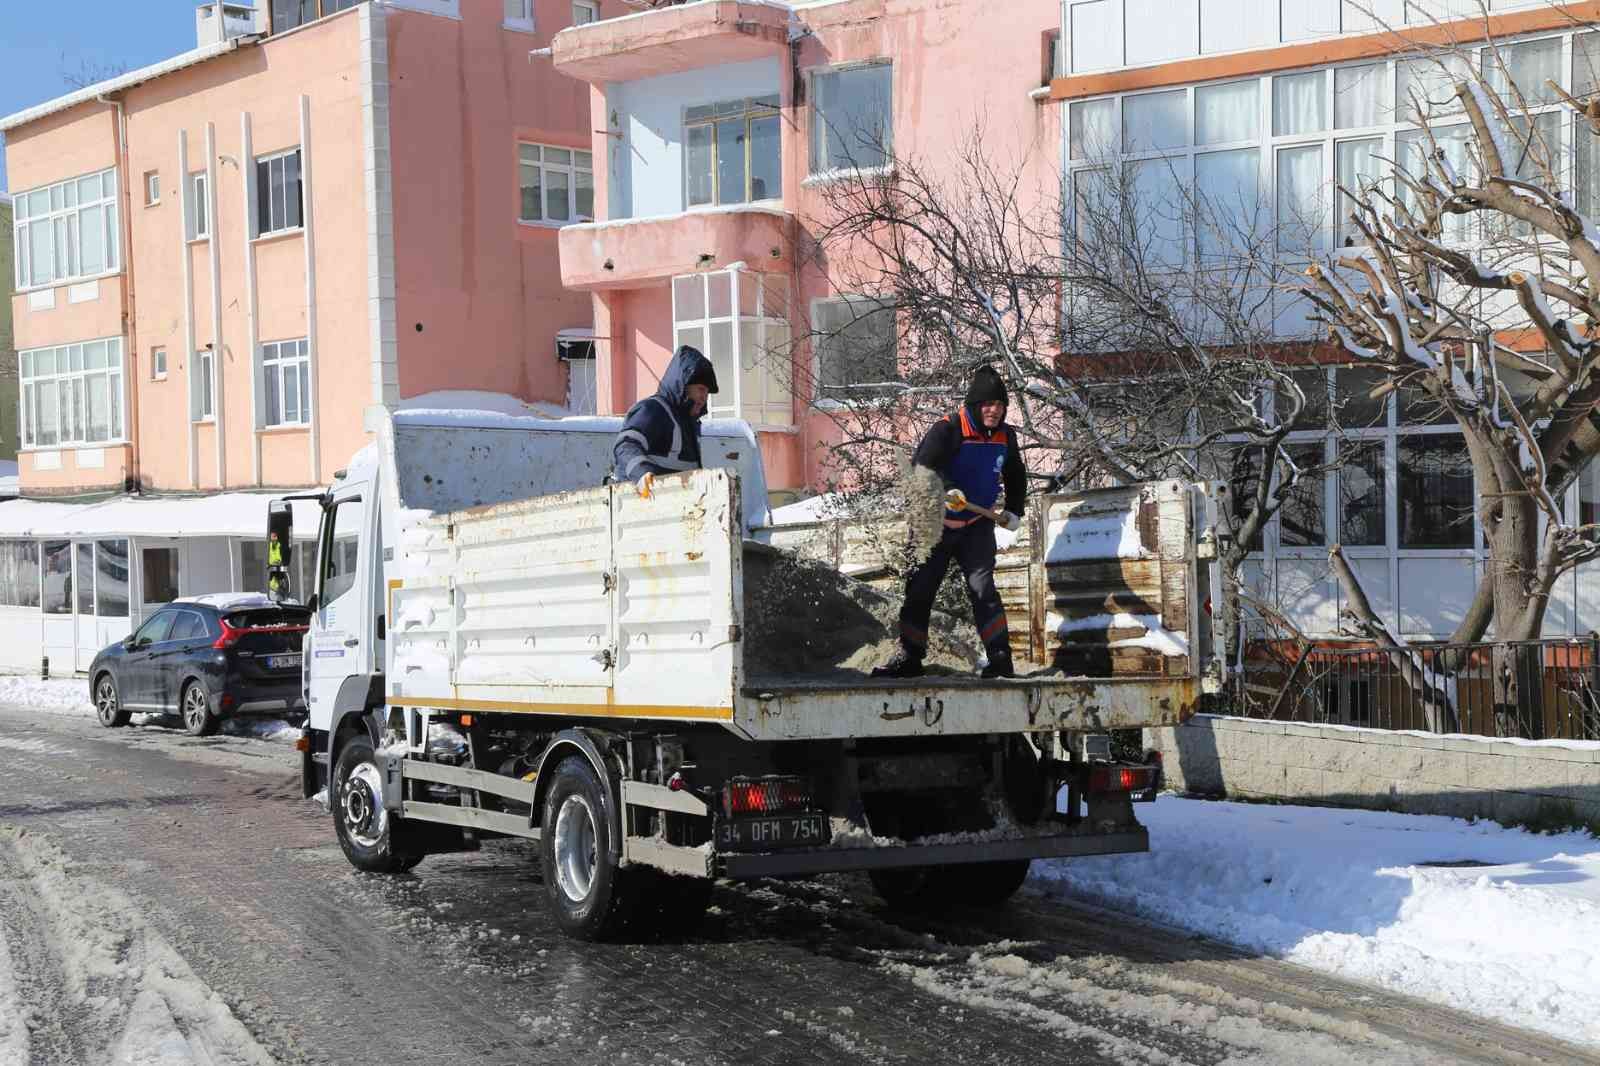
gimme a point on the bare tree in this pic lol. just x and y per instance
(84, 72)
(1475, 281)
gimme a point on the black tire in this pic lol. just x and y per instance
(371, 835)
(936, 888)
(108, 703)
(194, 706)
(591, 897)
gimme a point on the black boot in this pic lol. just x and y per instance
(903, 664)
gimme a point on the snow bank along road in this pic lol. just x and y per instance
(166, 899)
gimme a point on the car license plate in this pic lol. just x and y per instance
(283, 662)
(777, 831)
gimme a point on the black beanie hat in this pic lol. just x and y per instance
(986, 386)
(704, 373)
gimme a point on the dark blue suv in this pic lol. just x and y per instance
(205, 658)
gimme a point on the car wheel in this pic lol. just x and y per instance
(591, 897)
(371, 835)
(107, 704)
(196, 709)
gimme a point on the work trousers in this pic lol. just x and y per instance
(972, 546)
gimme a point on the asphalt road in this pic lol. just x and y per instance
(145, 874)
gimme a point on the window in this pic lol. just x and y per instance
(585, 12)
(1300, 519)
(66, 231)
(856, 347)
(158, 364)
(278, 193)
(1363, 499)
(72, 394)
(1298, 104)
(557, 184)
(1360, 96)
(57, 555)
(852, 118)
(582, 388)
(19, 573)
(286, 370)
(111, 578)
(198, 210)
(187, 625)
(1435, 492)
(287, 14)
(1052, 56)
(1154, 122)
(519, 15)
(157, 629)
(1357, 164)
(203, 401)
(159, 567)
(738, 319)
(1093, 125)
(340, 550)
(152, 188)
(732, 152)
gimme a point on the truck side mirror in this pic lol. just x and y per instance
(280, 548)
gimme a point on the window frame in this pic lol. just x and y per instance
(280, 365)
(570, 169)
(523, 23)
(755, 109)
(203, 401)
(590, 6)
(762, 319)
(262, 195)
(152, 188)
(857, 392)
(73, 387)
(55, 207)
(158, 363)
(197, 221)
(817, 168)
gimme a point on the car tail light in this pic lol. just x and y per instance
(230, 636)
(766, 795)
(1123, 778)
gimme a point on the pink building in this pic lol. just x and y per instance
(718, 123)
(221, 260)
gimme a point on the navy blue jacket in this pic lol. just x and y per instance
(659, 436)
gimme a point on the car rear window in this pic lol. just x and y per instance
(269, 618)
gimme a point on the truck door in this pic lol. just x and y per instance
(339, 643)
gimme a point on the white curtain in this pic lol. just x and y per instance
(1411, 146)
(1297, 103)
(1226, 113)
(1094, 129)
(1159, 210)
(1529, 66)
(1301, 207)
(1354, 163)
(1431, 80)
(1358, 97)
(1155, 121)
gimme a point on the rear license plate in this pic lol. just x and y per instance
(283, 662)
(776, 831)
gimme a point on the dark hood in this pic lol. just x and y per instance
(987, 384)
(688, 367)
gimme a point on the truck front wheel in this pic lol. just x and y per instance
(591, 897)
(370, 834)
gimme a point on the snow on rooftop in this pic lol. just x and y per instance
(227, 514)
(229, 601)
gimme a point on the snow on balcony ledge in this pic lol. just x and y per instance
(707, 33)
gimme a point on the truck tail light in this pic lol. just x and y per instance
(766, 795)
(1123, 778)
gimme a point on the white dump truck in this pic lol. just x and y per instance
(503, 645)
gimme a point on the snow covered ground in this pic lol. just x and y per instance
(69, 697)
(1497, 922)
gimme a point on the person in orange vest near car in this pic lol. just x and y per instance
(976, 454)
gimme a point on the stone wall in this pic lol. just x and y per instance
(1543, 784)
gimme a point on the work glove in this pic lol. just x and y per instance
(955, 500)
(1010, 521)
(646, 485)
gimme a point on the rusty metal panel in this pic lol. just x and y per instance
(1112, 581)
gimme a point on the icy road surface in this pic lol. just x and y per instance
(172, 900)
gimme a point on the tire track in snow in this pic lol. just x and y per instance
(45, 1022)
(99, 984)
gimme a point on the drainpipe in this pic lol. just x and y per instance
(129, 377)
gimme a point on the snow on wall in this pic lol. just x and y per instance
(1095, 536)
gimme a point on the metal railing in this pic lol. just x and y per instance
(1535, 690)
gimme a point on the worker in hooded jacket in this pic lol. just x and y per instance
(975, 452)
(661, 433)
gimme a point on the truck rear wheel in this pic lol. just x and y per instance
(934, 888)
(372, 836)
(591, 897)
